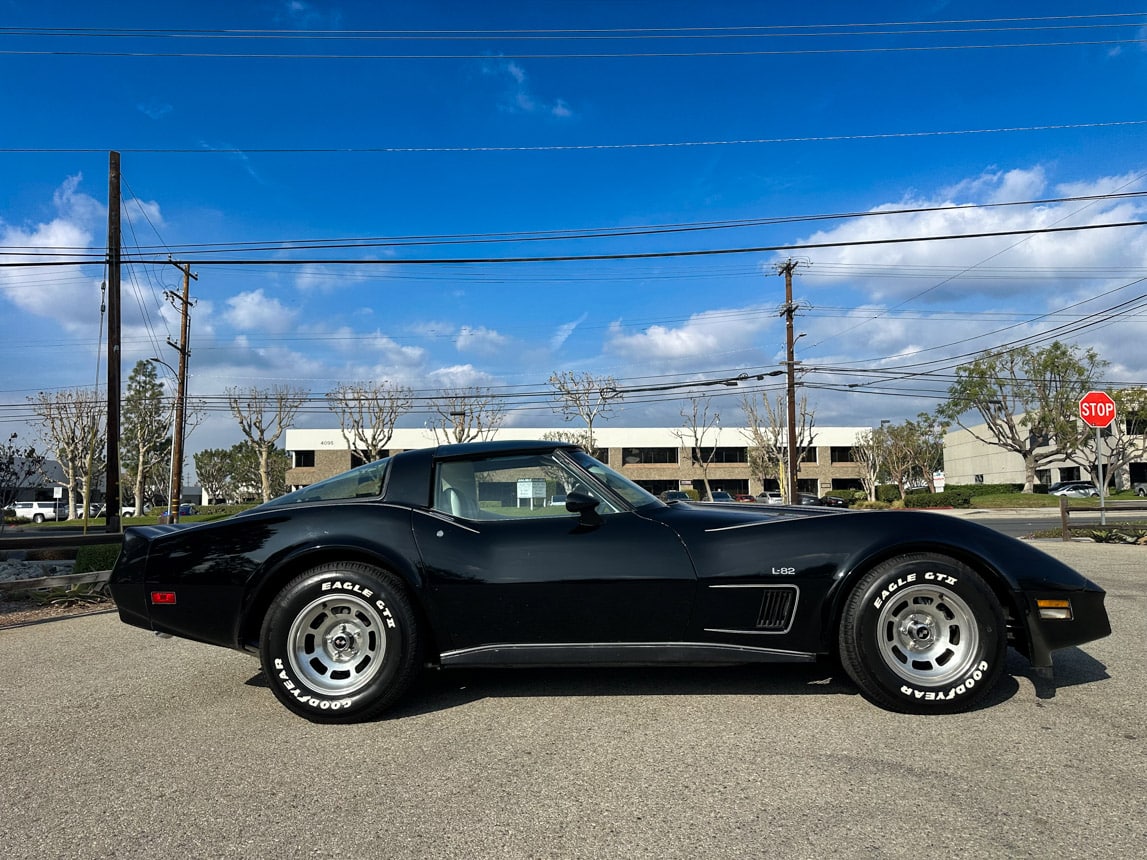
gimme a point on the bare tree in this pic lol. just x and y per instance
(696, 427)
(1123, 442)
(72, 426)
(18, 463)
(586, 397)
(766, 430)
(263, 415)
(367, 413)
(465, 415)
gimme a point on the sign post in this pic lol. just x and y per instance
(1097, 409)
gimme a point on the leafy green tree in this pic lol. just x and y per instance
(145, 439)
(213, 468)
(1028, 399)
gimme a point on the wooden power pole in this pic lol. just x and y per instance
(789, 312)
(112, 481)
(184, 351)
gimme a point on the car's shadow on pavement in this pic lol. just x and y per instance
(1072, 667)
(441, 690)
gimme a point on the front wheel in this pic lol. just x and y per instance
(923, 634)
(340, 643)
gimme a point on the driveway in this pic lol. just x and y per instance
(118, 744)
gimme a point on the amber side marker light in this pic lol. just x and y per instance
(1054, 610)
(163, 597)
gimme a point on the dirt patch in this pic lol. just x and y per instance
(18, 611)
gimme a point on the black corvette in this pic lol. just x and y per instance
(458, 556)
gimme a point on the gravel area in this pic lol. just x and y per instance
(16, 612)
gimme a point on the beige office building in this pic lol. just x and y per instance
(654, 457)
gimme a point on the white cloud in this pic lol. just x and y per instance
(995, 267)
(459, 376)
(480, 340)
(55, 294)
(562, 333)
(518, 95)
(254, 311)
(718, 336)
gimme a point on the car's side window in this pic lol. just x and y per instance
(525, 486)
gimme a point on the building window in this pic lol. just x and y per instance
(722, 455)
(648, 456)
(842, 454)
(303, 459)
(809, 455)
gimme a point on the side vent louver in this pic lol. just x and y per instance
(777, 606)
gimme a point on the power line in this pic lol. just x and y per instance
(568, 147)
(574, 258)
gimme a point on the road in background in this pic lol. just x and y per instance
(116, 743)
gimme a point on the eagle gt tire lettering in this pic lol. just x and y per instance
(340, 643)
(923, 634)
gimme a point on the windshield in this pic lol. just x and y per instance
(365, 482)
(631, 492)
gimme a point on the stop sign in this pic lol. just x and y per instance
(1097, 409)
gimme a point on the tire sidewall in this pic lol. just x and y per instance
(868, 667)
(337, 580)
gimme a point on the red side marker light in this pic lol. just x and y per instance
(163, 598)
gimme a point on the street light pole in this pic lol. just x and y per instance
(174, 478)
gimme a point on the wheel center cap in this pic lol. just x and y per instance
(919, 631)
(342, 643)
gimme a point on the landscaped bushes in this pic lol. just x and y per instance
(955, 497)
(101, 557)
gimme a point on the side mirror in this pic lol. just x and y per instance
(585, 506)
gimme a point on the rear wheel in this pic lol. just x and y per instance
(340, 643)
(923, 633)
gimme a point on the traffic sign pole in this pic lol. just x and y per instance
(1097, 409)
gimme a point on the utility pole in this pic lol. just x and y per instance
(789, 311)
(112, 482)
(184, 351)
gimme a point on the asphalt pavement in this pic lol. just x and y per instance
(118, 744)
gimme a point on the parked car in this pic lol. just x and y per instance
(348, 587)
(37, 512)
(835, 501)
(184, 511)
(771, 497)
(674, 496)
(1073, 489)
(558, 500)
(1140, 489)
(720, 496)
(129, 510)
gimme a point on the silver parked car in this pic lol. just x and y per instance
(1073, 489)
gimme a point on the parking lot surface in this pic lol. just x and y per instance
(118, 744)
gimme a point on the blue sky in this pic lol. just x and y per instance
(511, 129)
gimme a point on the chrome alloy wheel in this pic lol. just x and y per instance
(337, 644)
(927, 635)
